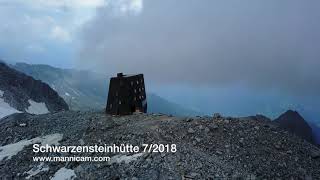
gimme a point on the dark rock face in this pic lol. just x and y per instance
(18, 88)
(316, 133)
(293, 122)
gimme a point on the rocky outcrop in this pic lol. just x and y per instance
(24, 93)
(206, 147)
(293, 122)
(258, 117)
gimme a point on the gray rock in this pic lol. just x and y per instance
(214, 126)
(315, 154)
(198, 139)
(191, 131)
(22, 124)
(217, 116)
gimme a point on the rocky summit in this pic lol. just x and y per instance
(293, 122)
(206, 147)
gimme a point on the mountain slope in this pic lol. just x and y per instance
(316, 133)
(294, 123)
(156, 104)
(204, 148)
(85, 90)
(22, 93)
(82, 90)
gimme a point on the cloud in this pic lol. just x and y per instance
(54, 4)
(124, 7)
(60, 34)
(21, 30)
(34, 48)
(259, 44)
(33, 26)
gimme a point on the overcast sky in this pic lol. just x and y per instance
(266, 44)
(262, 44)
(43, 31)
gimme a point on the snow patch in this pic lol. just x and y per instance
(36, 170)
(1, 93)
(64, 174)
(6, 109)
(125, 158)
(13, 149)
(53, 87)
(37, 108)
(67, 94)
(74, 91)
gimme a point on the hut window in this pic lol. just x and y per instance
(135, 90)
(119, 102)
(137, 82)
(131, 83)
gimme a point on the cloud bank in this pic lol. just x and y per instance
(260, 44)
(40, 30)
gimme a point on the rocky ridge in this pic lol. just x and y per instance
(207, 147)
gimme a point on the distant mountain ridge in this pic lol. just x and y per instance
(85, 90)
(22, 93)
(82, 90)
(158, 104)
(296, 124)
